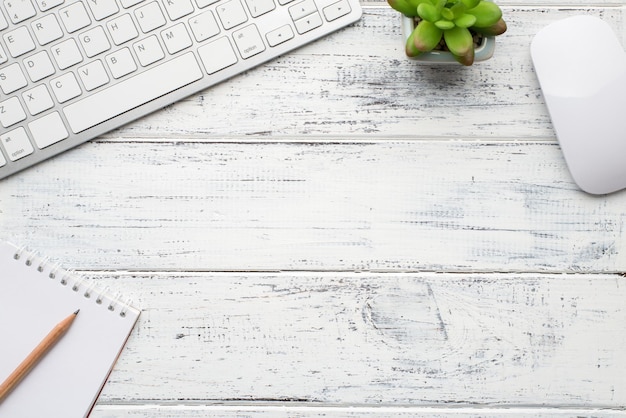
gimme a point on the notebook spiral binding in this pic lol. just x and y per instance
(72, 281)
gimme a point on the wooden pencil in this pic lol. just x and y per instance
(33, 358)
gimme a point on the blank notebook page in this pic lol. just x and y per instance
(36, 295)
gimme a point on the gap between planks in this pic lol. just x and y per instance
(283, 409)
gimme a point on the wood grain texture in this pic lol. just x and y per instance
(387, 205)
(359, 83)
(373, 339)
(495, 286)
(161, 411)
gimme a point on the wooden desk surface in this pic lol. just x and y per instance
(343, 232)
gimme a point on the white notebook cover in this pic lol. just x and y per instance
(35, 295)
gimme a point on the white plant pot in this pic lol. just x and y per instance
(483, 52)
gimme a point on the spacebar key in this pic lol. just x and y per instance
(133, 92)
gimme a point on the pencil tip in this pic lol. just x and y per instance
(77, 311)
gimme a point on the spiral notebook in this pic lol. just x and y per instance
(34, 296)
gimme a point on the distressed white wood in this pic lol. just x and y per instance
(379, 205)
(373, 339)
(359, 83)
(499, 290)
(160, 411)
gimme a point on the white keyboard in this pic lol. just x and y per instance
(72, 70)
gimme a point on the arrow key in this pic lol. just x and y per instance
(308, 23)
(336, 10)
(280, 35)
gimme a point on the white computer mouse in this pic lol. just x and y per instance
(581, 67)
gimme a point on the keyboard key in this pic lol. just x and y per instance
(148, 51)
(103, 8)
(37, 99)
(249, 41)
(260, 7)
(3, 56)
(45, 5)
(19, 41)
(308, 23)
(129, 3)
(122, 29)
(48, 130)
(12, 78)
(178, 8)
(279, 35)
(336, 10)
(93, 75)
(204, 26)
(65, 87)
(204, 3)
(132, 92)
(302, 9)
(19, 10)
(3, 25)
(66, 54)
(217, 55)
(121, 63)
(11, 112)
(176, 38)
(231, 14)
(39, 66)
(2, 160)
(94, 41)
(74, 17)
(47, 29)
(16, 144)
(150, 17)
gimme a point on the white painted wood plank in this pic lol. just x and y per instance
(359, 83)
(388, 205)
(161, 411)
(497, 340)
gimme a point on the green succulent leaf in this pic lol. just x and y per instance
(447, 14)
(416, 3)
(426, 36)
(467, 59)
(444, 24)
(457, 10)
(410, 49)
(487, 14)
(459, 40)
(465, 21)
(494, 30)
(428, 12)
(403, 6)
(470, 3)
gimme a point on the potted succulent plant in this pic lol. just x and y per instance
(450, 27)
